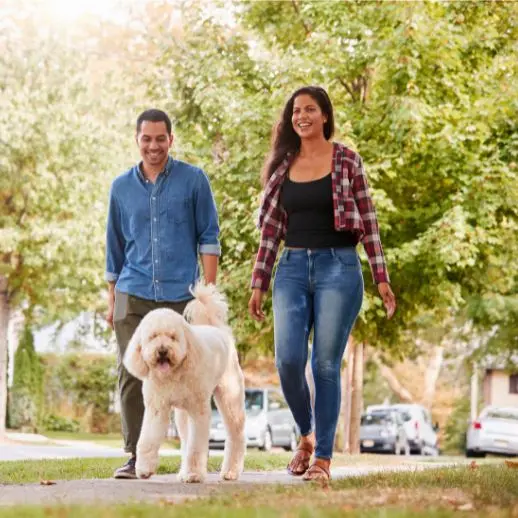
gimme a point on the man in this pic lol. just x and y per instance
(161, 216)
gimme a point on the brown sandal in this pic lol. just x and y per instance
(317, 472)
(301, 459)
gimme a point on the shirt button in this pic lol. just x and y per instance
(154, 219)
(154, 198)
(156, 282)
(156, 260)
(155, 239)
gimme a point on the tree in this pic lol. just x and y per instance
(60, 133)
(427, 93)
(26, 395)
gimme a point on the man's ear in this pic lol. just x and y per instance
(133, 360)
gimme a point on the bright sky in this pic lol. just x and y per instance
(70, 10)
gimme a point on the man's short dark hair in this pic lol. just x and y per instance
(154, 116)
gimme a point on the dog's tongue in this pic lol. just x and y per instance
(164, 367)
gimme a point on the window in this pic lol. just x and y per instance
(513, 384)
(254, 399)
(376, 419)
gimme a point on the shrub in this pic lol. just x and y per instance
(57, 423)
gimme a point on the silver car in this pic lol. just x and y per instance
(495, 431)
(269, 422)
(383, 431)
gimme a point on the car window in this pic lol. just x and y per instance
(376, 419)
(254, 399)
(405, 416)
(498, 413)
(276, 400)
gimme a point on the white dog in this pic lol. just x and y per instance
(182, 365)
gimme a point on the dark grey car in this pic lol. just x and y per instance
(383, 431)
(269, 421)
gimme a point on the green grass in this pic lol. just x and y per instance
(209, 510)
(23, 472)
(442, 493)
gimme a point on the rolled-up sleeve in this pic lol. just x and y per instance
(114, 240)
(371, 240)
(206, 215)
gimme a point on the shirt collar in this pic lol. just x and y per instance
(166, 171)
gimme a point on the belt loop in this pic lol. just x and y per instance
(287, 253)
(333, 252)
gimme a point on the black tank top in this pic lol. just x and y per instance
(309, 206)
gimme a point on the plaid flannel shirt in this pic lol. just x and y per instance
(353, 211)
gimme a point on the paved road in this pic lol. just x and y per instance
(66, 450)
(161, 487)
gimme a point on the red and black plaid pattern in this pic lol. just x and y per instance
(353, 211)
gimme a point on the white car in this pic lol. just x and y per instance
(269, 422)
(495, 431)
(420, 431)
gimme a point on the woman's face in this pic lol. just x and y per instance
(307, 118)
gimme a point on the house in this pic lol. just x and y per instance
(500, 387)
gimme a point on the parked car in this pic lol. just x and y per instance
(420, 431)
(495, 431)
(269, 422)
(383, 431)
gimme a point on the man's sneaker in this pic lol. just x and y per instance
(126, 471)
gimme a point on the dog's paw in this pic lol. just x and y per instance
(145, 469)
(191, 478)
(229, 475)
(144, 474)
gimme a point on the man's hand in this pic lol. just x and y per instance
(111, 304)
(255, 305)
(388, 297)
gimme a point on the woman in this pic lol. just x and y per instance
(316, 199)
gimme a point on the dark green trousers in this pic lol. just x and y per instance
(128, 313)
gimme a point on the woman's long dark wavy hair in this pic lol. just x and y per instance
(284, 139)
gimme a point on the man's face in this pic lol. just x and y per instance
(154, 142)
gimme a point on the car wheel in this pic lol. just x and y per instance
(267, 443)
(475, 454)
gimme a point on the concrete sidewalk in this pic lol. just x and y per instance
(165, 487)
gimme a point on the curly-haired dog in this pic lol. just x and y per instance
(182, 365)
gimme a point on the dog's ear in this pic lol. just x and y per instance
(190, 339)
(133, 360)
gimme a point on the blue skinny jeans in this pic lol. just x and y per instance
(320, 289)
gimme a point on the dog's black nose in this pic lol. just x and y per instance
(162, 353)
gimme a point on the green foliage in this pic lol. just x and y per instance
(456, 427)
(84, 385)
(59, 137)
(427, 92)
(26, 394)
(56, 423)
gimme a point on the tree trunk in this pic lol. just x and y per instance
(432, 375)
(4, 320)
(401, 392)
(357, 399)
(347, 397)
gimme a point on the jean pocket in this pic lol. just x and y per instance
(347, 257)
(121, 306)
(179, 210)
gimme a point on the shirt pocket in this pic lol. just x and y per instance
(179, 210)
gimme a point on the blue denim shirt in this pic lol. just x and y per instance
(155, 231)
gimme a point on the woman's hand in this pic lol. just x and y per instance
(388, 297)
(255, 305)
